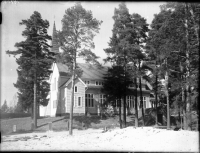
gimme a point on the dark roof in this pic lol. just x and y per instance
(63, 69)
(89, 71)
(92, 71)
(63, 80)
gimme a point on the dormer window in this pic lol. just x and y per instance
(87, 82)
(98, 83)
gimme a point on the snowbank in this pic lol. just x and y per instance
(128, 139)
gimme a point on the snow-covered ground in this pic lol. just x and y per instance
(127, 139)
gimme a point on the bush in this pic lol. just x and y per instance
(108, 111)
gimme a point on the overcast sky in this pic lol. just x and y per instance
(14, 12)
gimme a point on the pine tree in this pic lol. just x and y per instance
(76, 39)
(118, 51)
(18, 108)
(112, 87)
(140, 28)
(154, 54)
(4, 107)
(186, 50)
(125, 46)
(159, 54)
(174, 35)
(34, 62)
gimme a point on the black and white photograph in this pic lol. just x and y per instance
(120, 76)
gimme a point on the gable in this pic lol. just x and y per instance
(53, 71)
(70, 80)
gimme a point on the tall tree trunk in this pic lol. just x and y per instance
(101, 110)
(32, 113)
(167, 94)
(72, 97)
(183, 97)
(188, 103)
(120, 120)
(184, 109)
(124, 112)
(141, 98)
(124, 104)
(72, 104)
(35, 98)
(136, 109)
(141, 102)
(156, 94)
(35, 103)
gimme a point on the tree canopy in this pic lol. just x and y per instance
(76, 38)
(34, 57)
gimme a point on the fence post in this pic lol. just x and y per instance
(14, 128)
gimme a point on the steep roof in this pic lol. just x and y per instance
(63, 69)
(63, 80)
(89, 71)
(54, 42)
(92, 71)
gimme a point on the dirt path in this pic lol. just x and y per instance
(128, 139)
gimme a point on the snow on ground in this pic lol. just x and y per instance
(127, 139)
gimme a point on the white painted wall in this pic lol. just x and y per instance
(54, 93)
(49, 110)
(80, 93)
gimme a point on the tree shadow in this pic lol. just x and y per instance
(42, 117)
(52, 122)
(149, 120)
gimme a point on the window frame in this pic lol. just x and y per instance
(98, 83)
(75, 89)
(102, 98)
(87, 82)
(89, 100)
(129, 100)
(80, 101)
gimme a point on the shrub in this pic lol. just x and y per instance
(108, 111)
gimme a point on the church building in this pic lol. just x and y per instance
(87, 92)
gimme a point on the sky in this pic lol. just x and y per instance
(14, 12)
